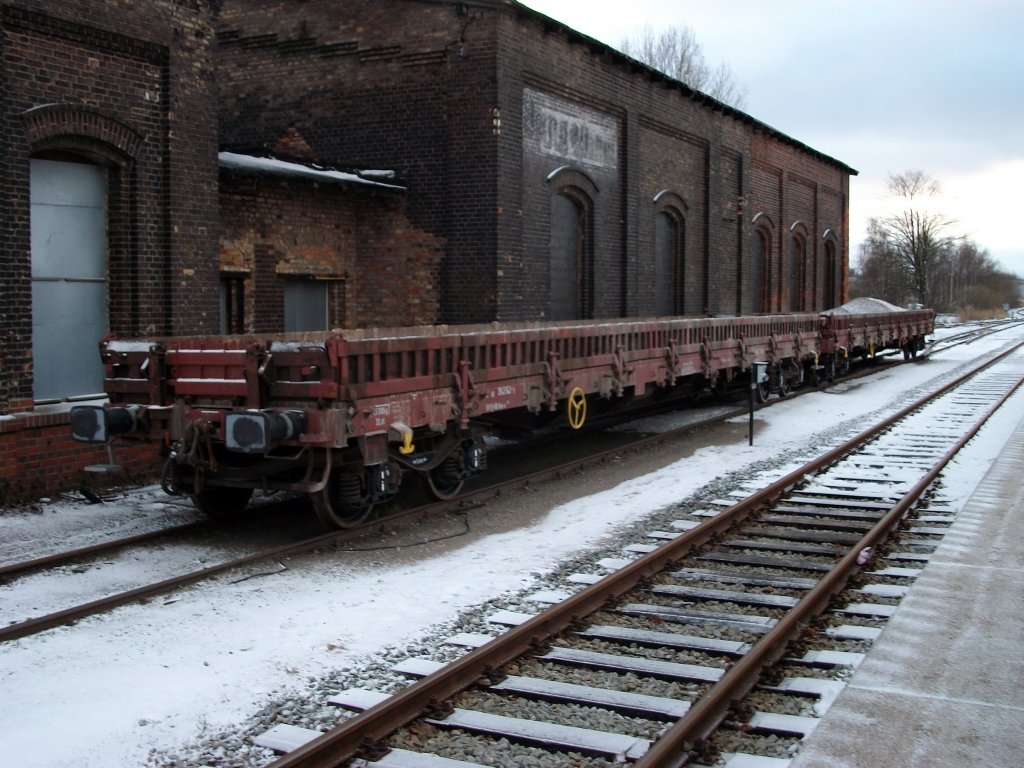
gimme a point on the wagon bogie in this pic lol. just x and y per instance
(349, 493)
(444, 480)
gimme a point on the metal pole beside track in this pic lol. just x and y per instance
(757, 372)
(750, 429)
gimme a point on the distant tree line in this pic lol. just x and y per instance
(914, 256)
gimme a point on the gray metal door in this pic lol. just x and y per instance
(69, 278)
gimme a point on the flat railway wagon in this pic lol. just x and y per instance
(343, 416)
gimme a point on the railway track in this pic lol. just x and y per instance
(651, 663)
(971, 335)
(476, 494)
(97, 550)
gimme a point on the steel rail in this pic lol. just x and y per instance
(368, 730)
(333, 538)
(70, 615)
(330, 538)
(95, 549)
(968, 337)
(673, 748)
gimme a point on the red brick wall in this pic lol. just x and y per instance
(38, 457)
(382, 270)
(790, 188)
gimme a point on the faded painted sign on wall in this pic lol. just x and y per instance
(562, 129)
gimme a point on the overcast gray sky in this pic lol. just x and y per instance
(882, 85)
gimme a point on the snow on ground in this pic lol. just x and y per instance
(111, 689)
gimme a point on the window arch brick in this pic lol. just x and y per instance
(71, 128)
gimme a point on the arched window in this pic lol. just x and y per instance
(766, 275)
(762, 264)
(568, 236)
(81, 206)
(571, 245)
(798, 273)
(829, 270)
(669, 262)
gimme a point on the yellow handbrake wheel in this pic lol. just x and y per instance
(577, 408)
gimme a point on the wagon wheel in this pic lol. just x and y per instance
(813, 377)
(443, 481)
(763, 391)
(340, 503)
(221, 502)
(693, 393)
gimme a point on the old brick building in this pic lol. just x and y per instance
(166, 170)
(108, 148)
(564, 179)
(114, 203)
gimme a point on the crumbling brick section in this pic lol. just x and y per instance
(381, 270)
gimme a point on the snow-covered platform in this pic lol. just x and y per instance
(942, 686)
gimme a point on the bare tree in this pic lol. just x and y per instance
(911, 255)
(878, 273)
(918, 236)
(677, 52)
(971, 278)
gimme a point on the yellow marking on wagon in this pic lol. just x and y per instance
(577, 411)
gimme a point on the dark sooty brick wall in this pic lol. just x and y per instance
(674, 148)
(487, 109)
(128, 87)
(379, 85)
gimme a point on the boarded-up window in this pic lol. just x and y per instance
(831, 300)
(669, 269)
(232, 304)
(305, 305)
(69, 278)
(762, 271)
(568, 258)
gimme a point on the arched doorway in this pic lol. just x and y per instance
(572, 291)
(68, 222)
